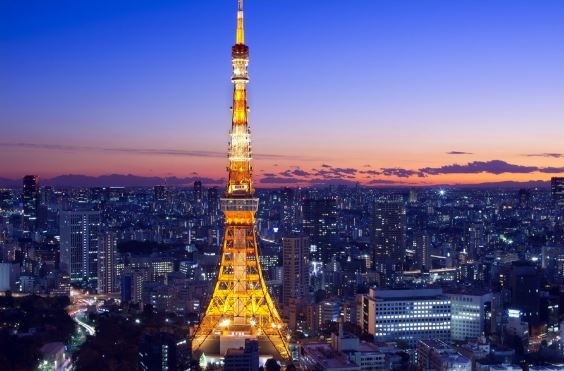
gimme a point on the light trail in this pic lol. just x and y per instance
(91, 330)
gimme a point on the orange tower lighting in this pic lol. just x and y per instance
(241, 307)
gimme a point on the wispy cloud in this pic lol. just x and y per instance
(552, 170)
(140, 151)
(278, 180)
(459, 153)
(553, 155)
(384, 182)
(493, 167)
(399, 172)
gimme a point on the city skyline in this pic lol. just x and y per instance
(376, 92)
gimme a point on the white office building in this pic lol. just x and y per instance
(407, 315)
(469, 311)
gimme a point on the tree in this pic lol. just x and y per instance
(271, 365)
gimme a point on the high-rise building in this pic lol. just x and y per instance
(79, 245)
(525, 281)
(213, 199)
(198, 191)
(422, 245)
(295, 275)
(295, 267)
(107, 252)
(469, 309)
(524, 198)
(9, 274)
(552, 258)
(287, 209)
(159, 197)
(30, 199)
(131, 284)
(407, 315)
(240, 307)
(557, 188)
(474, 237)
(388, 234)
(158, 353)
(320, 225)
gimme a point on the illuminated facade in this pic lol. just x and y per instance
(241, 307)
(388, 234)
(408, 315)
(107, 252)
(79, 245)
(469, 312)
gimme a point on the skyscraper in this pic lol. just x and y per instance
(320, 225)
(422, 245)
(107, 251)
(295, 266)
(295, 275)
(240, 307)
(525, 280)
(30, 199)
(287, 209)
(388, 234)
(197, 191)
(79, 245)
(159, 197)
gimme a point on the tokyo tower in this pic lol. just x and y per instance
(241, 307)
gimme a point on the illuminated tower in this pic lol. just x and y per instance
(240, 307)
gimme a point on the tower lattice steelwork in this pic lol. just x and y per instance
(240, 307)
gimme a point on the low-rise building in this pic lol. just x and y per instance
(438, 356)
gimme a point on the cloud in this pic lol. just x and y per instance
(300, 172)
(552, 155)
(330, 172)
(399, 172)
(370, 172)
(385, 181)
(493, 167)
(141, 151)
(344, 170)
(552, 170)
(459, 153)
(278, 180)
(330, 175)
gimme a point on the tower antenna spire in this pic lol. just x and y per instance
(240, 24)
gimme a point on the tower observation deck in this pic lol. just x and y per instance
(240, 307)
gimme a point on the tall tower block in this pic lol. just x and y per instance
(241, 307)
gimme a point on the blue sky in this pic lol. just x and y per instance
(390, 84)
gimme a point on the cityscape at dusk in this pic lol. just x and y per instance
(372, 185)
(376, 92)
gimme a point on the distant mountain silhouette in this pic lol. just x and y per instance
(129, 180)
(505, 185)
(10, 183)
(113, 180)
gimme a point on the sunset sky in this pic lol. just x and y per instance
(376, 91)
